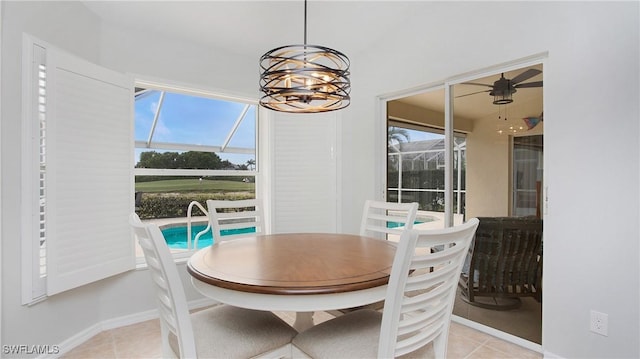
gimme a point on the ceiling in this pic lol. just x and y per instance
(527, 102)
(253, 27)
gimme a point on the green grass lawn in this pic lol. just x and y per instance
(194, 185)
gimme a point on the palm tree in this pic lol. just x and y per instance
(396, 135)
(251, 163)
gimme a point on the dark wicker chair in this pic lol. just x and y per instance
(505, 263)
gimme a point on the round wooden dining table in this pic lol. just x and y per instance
(301, 272)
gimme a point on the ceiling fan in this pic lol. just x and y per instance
(503, 89)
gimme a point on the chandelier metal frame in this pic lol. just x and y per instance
(304, 78)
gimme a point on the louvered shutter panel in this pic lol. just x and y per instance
(89, 172)
(304, 173)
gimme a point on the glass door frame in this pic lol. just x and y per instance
(380, 151)
(448, 84)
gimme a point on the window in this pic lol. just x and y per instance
(191, 146)
(76, 189)
(527, 175)
(415, 167)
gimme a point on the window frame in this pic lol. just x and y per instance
(516, 162)
(193, 90)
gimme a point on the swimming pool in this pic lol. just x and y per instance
(176, 236)
(398, 224)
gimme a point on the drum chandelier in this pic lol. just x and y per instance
(304, 78)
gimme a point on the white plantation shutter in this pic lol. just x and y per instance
(34, 174)
(304, 173)
(89, 172)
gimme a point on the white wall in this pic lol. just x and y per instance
(39, 324)
(153, 57)
(487, 175)
(591, 166)
(591, 229)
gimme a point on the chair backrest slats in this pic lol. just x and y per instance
(422, 288)
(235, 219)
(240, 225)
(387, 218)
(170, 297)
(416, 342)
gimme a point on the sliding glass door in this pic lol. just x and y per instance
(470, 148)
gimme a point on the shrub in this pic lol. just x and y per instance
(173, 205)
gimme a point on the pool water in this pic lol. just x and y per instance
(398, 224)
(176, 237)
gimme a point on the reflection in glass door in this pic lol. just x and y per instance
(527, 175)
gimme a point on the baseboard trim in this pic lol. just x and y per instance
(548, 355)
(498, 334)
(81, 337)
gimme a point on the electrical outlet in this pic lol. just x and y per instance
(599, 323)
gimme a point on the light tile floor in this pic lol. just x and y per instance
(524, 322)
(142, 340)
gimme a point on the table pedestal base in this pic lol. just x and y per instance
(304, 321)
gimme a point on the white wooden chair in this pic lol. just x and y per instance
(377, 217)
(384, 220)
(234, 219)
(219, 332)
(418, 304)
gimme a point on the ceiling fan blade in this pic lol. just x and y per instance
(475, 83)
(529, 84)
(525, 76)
(473, 93)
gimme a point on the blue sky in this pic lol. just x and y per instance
(415, 135)
(195, 120)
